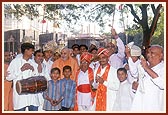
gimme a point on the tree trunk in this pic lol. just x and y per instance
(146, 38)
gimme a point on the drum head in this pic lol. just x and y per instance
(18, 87)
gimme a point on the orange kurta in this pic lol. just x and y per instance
(8, 92)
(101, 91)
(71, 62)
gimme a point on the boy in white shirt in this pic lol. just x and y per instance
(123, 100)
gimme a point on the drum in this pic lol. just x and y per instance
(31, 85)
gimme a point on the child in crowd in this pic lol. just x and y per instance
(69, 87)
(52, 96)
(123, 101)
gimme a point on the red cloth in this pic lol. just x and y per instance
(91, 77)
(101, 91)
(85, 88)
(103, 50)
(86, 56)
(8, 92)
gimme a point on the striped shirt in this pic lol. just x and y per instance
(69, 94)
(54, 92)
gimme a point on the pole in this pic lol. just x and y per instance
(113, 17)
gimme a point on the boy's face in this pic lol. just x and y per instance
(55, 75)
(7, 57)
(29, 52)
(76, 51)
(47, 54)
(121, 76)
(83, 49)
(134, 58)
(94, 53)
(67, 73)
(39, 57)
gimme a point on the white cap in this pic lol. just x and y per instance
(96, 43)
(27, 39)
(130, 44)
(135, 51)
(51, 45)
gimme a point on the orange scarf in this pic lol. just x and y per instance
(91, 77)
(101, 91)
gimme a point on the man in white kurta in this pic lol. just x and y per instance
(95, 62)
(108, 79)
(84, 79)
(39, 70)
(48, 49)
(116, 59)
(84, 99)
(151, 97)
(22, 68)
(48, 65)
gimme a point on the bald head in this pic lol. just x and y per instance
(65, 53)
(155, 54)
(158, 47)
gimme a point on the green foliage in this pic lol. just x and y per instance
(133, 31)
(18, 11)
(99, 11)
(31, 10)
(160, 26)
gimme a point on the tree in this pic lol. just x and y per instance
(97, 13)
(72, 13)
(31, 10)
(148, 29)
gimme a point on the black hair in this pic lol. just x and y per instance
(55, 69)
(83, 45)
(75, 46)
(93, 49)
(27, 46)
(38, 51)
(122, 69)
(67, 67)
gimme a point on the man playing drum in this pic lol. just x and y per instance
(21, 68)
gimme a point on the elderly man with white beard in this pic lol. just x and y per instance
(66, 59)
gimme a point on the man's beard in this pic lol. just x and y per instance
(64, 58)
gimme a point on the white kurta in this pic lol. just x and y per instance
(112, 85)
(116, 60)
(48, 66)
(78, 58)
(94, 65)
(20, 101)
(36, 73)
(133, 70)
(153, 97)
(83, 98)
(124, 98)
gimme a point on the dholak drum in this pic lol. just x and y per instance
(31, 85)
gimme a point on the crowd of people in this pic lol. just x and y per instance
(115, 77)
